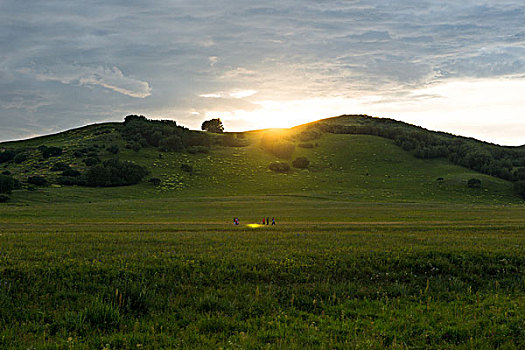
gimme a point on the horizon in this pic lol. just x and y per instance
(452, 67)
(251, 130)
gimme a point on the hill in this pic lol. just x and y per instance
(356, 158)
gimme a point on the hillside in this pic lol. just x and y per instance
(351, 158)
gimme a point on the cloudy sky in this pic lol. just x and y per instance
(457, 66)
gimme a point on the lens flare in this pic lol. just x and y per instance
(253, 225)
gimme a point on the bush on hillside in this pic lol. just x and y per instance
(186, 167)
(91, 161)
(519, 187)
(6, 156)
(171, 143)
(474, 183)
(7, 184)
(280, 167)
(113, 172)
(113, 149)
(71, 172)
(4, 198)
(155, 181)
(48, 152)
(60, 166)
(20, 158)
(37, 180)
(301, 163)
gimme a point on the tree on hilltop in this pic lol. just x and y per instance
(213, 125)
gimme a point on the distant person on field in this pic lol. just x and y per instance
(273, 221)
(267, 221)
(263, 221)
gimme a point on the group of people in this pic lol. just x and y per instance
(266, 221)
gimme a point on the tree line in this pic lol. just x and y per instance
(504, 162)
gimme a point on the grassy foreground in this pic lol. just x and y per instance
(332, 274)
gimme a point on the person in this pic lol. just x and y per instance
(263, 221)
(273, 221)
(268, 221)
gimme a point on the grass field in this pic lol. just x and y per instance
(176, 273)
(373, 249)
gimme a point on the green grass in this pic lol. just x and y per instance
(404, 284)
(370, 251)
(343, 167)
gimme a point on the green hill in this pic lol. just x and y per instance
(356, 158)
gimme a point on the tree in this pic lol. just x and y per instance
(7, 184)
(213, 125)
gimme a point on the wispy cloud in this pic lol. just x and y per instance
(109, 78)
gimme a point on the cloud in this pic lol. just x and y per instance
(109, 78)
(90, 59)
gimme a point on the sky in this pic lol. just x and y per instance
(454, 66)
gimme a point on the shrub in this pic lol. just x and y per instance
(113, 149)
(115, 173)
(37, 180)
(7, 184)
(519, 187)
(60, 166)
(6, 156)
(90, 161)
(155, 181)
(20, 158)
(474, 183)
(301, 163)
(134, 146)
(97, 176)
(172, 143)
(280, 167)
(52, 151)
(3, 198)
(6, 172)
(71, 172)
(186, 167)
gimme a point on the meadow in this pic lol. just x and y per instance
(330, 274)
(373, 248)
